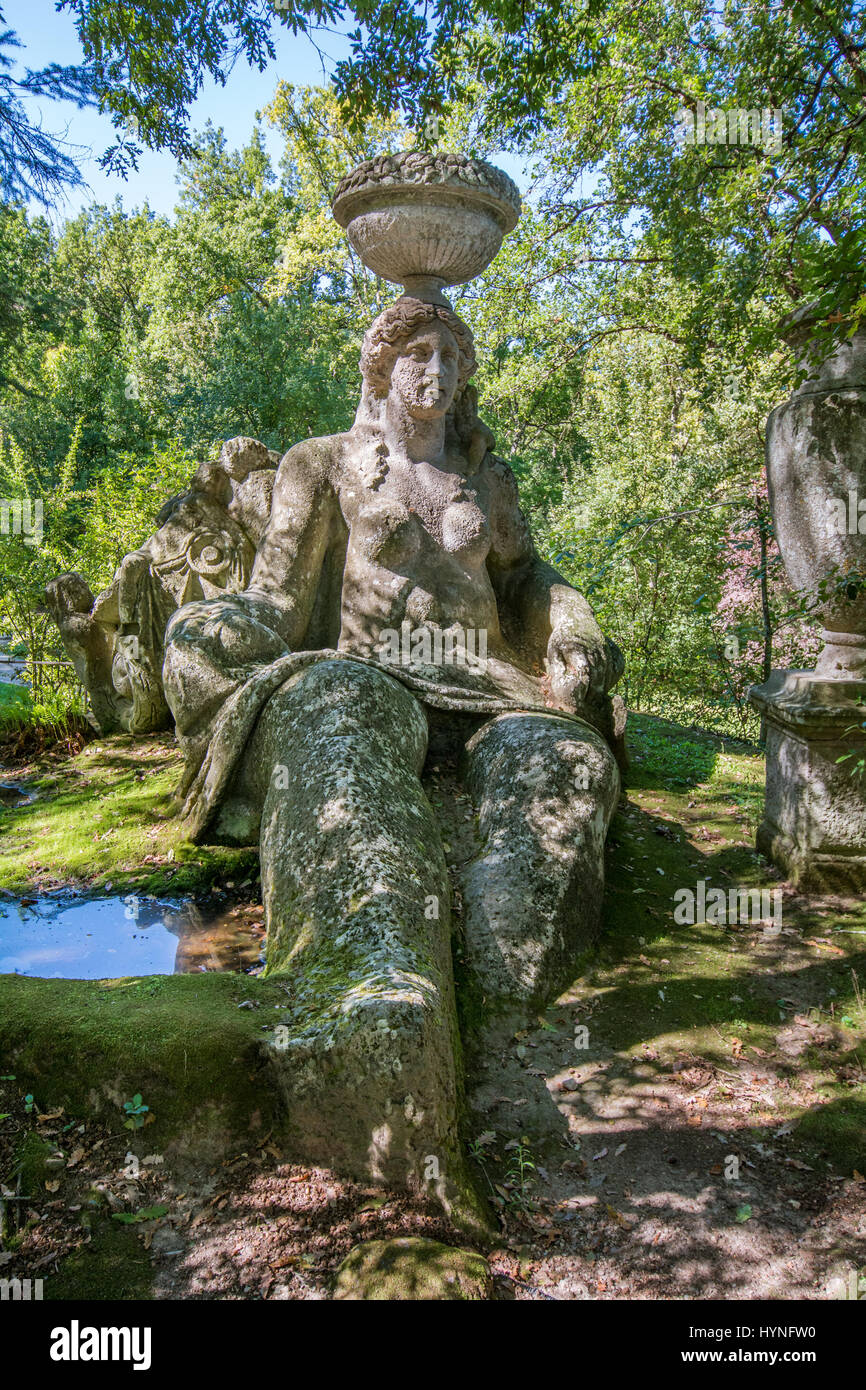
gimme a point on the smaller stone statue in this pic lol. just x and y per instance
(204, 545)
(814, 824)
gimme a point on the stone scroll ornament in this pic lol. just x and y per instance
(204, 545)
(396, 596)
(814, 824)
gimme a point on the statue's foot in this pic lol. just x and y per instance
(370, 1080)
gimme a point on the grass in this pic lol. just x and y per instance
(103, 816)
(13, 697)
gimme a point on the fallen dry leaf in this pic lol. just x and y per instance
(617, 1216)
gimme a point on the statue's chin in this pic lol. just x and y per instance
(433, 410)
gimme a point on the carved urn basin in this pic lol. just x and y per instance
(426, 220)
(816, 471)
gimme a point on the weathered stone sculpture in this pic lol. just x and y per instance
(205, 544)
(814, 822)
(396, 589)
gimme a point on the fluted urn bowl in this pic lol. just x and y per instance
(426, 220)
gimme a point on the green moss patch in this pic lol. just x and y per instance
(113, 1265)
(181, 1042)
(105, 816)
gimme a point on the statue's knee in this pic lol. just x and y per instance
(535, 756)
(341, 697)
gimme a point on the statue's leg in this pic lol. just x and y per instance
(546, 789)
(356, 894)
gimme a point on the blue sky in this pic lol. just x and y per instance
(51, 37)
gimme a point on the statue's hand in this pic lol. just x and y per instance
(229, 629)
(581, 667)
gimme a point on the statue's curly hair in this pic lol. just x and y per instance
(387, 333)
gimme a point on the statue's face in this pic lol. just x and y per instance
(425, 374)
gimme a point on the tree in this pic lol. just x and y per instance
(34, 164)
(148, 62)
(750, 209)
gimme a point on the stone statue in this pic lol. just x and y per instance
(396, 594)
(814, 824)
(205, 543)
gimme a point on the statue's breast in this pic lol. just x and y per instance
(387, 533)
(465, 530)
(399, 530)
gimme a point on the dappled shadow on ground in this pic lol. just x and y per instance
(664, 1175)
(674, 1156)
(704, 1137)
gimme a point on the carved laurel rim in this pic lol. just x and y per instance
(415, 167)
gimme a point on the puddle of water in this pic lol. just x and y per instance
(63, 938)
(13, 794)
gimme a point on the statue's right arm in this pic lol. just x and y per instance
(288, 564)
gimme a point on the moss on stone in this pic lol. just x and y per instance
(412, 1268)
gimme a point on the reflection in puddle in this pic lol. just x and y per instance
(104, 938)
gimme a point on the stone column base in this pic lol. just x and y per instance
(814, 825)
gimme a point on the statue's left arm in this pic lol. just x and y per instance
(541, 614)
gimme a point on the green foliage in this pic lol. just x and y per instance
(520, 1176)
(624, 358)
(147, 64)
(129, 1218)
(33, 163)
(778, 219)
(135, 1112)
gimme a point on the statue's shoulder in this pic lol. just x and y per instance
(319, 458)
(500, 477)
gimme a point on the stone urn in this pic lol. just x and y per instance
(814, 824)
(816, 472)
(426, 221)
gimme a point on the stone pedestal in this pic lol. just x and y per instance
(814, 824)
